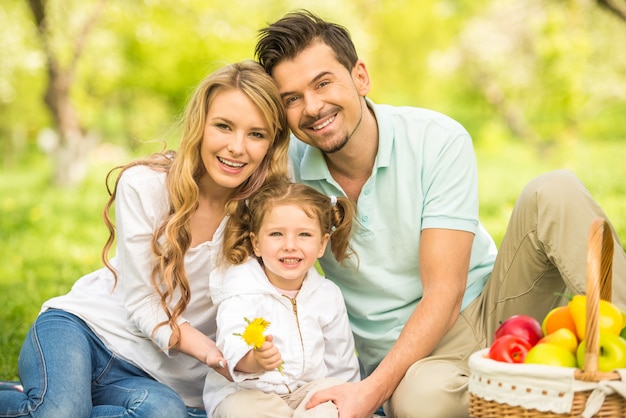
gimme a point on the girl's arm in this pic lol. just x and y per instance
(265, 358)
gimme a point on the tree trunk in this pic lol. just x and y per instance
(74, 145)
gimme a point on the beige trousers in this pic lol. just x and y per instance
(543, 253)
(257, 404)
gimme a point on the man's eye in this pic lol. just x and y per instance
(291, 100)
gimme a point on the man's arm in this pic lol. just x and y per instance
(444, 264)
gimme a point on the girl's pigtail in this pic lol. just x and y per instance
(342, 215)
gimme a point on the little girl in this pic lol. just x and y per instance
(272, 243)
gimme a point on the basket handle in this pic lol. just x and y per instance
(599, 286)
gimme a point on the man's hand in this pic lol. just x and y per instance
(353, 400)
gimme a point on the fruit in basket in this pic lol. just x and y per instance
(611, 356)
(564, 337)
(551, 355)
(610, 319)
(559, 317)
(524, 326)
(509, 349)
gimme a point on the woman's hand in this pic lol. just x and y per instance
(215, 360)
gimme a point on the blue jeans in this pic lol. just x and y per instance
(68, 372)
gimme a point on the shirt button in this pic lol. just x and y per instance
(364, 218)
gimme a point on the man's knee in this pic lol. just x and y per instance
(557, 184)
(431, 389)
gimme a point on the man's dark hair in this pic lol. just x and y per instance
(296, 31)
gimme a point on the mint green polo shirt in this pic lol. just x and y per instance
(424, 176)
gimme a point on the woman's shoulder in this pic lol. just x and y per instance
(143, 175)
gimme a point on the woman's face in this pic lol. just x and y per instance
(236, 139)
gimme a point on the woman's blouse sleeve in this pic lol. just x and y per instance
(140, 207)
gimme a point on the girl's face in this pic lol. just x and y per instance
(289, 242)
(236, 139)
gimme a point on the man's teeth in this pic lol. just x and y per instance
(323, 125)
(230, 163)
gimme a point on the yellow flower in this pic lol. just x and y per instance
(253, 335)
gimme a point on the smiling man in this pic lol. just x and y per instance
(429, 289)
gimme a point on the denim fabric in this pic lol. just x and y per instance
(68, 372)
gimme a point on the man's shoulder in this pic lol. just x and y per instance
(416, 114)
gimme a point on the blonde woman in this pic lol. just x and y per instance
(136, 338)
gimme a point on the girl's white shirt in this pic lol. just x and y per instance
(124, 316)
(315, 343)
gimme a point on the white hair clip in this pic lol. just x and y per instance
(333, 200)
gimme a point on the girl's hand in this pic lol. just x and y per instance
(268, 356)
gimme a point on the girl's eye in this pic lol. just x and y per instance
(275, 234)
(305, 234)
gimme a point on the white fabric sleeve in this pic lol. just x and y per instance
(140, 206)
(230, 321)
(340, 356)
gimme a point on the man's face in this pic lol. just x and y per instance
(324, 100)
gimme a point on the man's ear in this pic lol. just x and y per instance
(361, 78)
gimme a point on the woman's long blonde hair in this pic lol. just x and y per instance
(184, 168)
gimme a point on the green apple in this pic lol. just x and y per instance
(612, 353)
(551, 355)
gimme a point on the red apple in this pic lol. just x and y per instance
(524, 326)
(509, 349)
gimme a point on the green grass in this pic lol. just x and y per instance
(49, 237)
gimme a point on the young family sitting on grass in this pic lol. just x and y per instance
(212, 305)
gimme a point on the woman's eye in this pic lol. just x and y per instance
(258, 135)
(222, 126)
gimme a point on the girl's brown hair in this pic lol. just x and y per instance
(184, 168)
(335, 214)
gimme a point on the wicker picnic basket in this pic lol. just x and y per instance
(531, 391)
